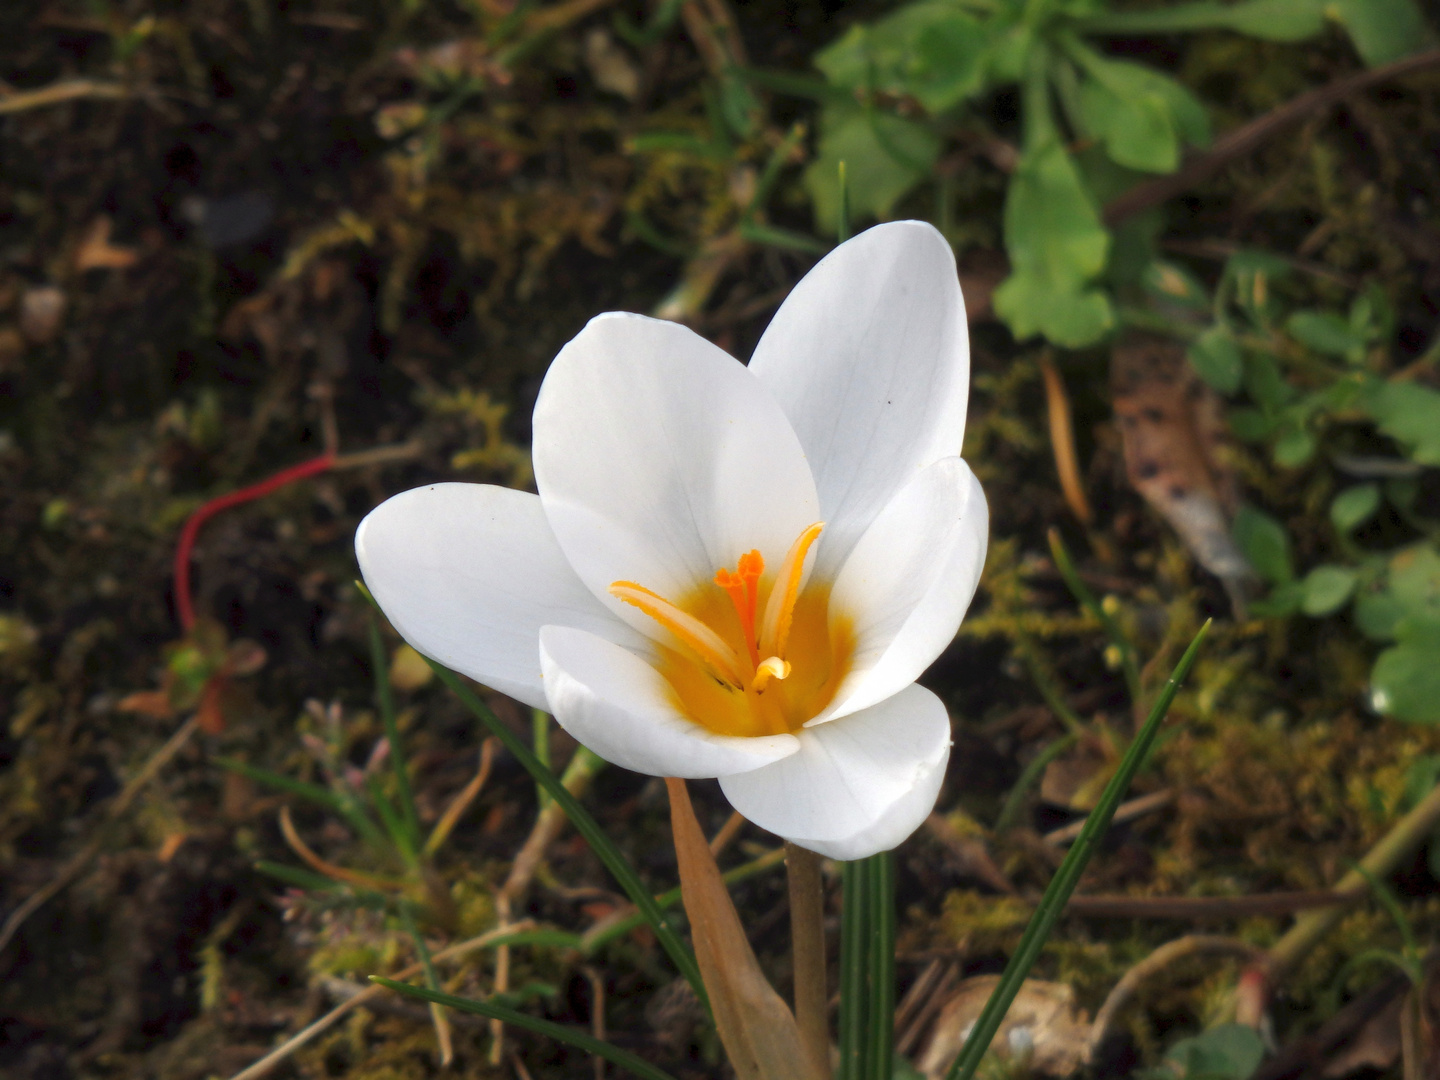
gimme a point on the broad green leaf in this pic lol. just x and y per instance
(1325, 332)
(1226, 1052)
(1415, 581)
(1283, 601)
(1354, 506)
(1409, 414)
(1265, 544)
(1135, 127)
(1057, 246)
(1295, 446)
(1383, 30)
(1142, 115)
(1273, 20)
(1326, 590)
(1405, 682)
(1250, 425)
(1377, 613)
(934, 51)
(1265, 384)
(1216, 359)
(885, 156)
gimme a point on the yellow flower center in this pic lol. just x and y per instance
(751, 654)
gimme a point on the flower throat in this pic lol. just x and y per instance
(757, 655)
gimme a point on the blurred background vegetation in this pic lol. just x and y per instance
(1200, 245)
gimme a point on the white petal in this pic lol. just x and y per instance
(858, 785)
(622, 708)
(870, 359)
(661, 459)
(908, 582)
(468, 573)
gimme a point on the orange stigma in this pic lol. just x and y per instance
(730, 663)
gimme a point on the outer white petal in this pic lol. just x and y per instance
(661, 459)
(621, 707)
(468, 573)
(869, 357)
(908, 582)
(858, 785)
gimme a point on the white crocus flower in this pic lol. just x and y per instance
(730, 572)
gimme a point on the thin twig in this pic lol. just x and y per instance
(60, 92)
(1126, 811)
(462, 801)
(597, 1013)
(81, 859)
(295, 1042)
(1249, 137)
(731, 829)
(1161, 959)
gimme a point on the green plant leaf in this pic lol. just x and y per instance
(932, 51)
(1217, 359)
(1354, 506)
(1057, 246)
(1325, 332)
(1383, 30)
(1135, 127)
(1295, 446)
(586, 826)
(1327, 588)
(1271, 20)
(1170, 283)
(1226, 1052)
(559, 1032)
(1405, 682)
(885, 156)
(1265, 544)
(1409, 414)
(1052, 904)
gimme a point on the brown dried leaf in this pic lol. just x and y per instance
(1043, 1028)
(756, 1026)
(1173, 430)
(97, 253)
(41, 309)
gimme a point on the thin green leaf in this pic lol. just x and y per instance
(347, 809)
(385, 701)
(881, 871)
(301, 879)
(394, 824)
(1052, 904)
(854, 963)
(604, 933)
(1015, 801)
(1128, 664)
(558, 1032)
(587, 826)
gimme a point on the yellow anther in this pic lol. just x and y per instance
(780, 608)
(772, 668)
(708, 646)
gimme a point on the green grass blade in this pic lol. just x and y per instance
(394, 825)
(1052, 904)
(385, 701)
(587, 827)
(881, 1002)
(1015, 801)
(854, 962)
(366, 828)
(593, 940)
(1128, 664)
(558, 1032)
(301, 879)
(842, 217)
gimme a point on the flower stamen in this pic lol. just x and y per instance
(708, 646)
(772, 668)
(743, 585)
(780, 608)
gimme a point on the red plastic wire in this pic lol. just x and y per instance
(184, 607)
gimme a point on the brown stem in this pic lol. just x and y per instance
(807, 948)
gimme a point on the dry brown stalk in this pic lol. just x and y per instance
(320, 1026)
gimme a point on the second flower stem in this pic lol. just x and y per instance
(807, 945)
